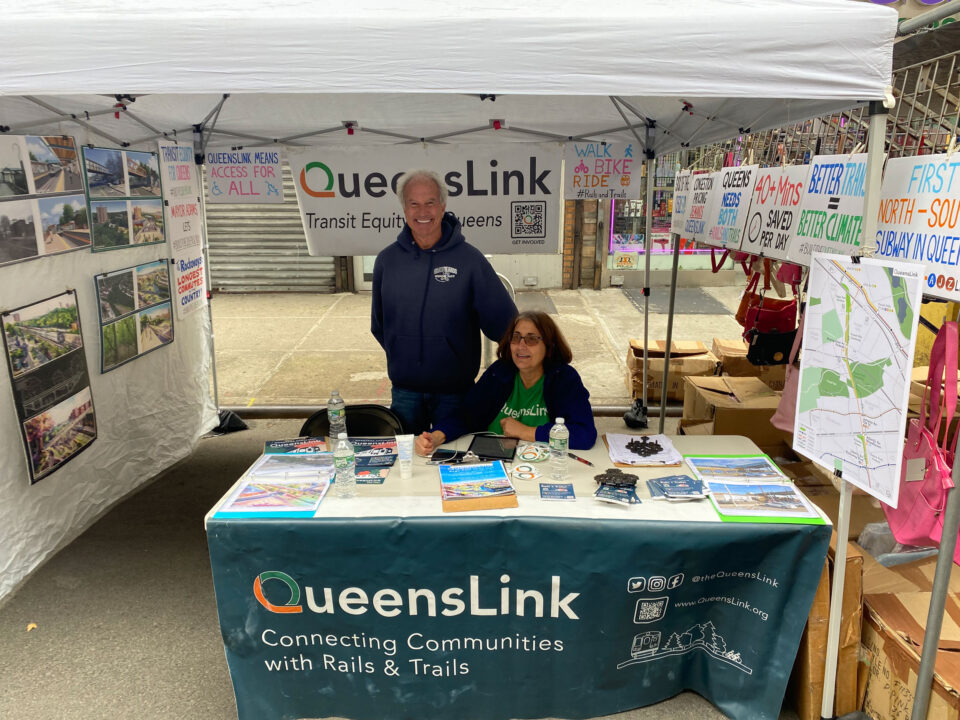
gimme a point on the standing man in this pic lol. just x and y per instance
(432, 296)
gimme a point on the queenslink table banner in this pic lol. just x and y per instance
(497, 618)
(508, 197)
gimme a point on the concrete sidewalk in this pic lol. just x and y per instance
(294, 348)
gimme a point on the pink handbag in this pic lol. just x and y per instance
(786, 412)
(918, 517)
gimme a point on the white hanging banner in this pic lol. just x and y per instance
(184, 221)
(681, 201)
(919, 218)
(701, 193)
(507, 197)
(730, 198)
(774, 211)
(248, 175)
(601, 171)
(831, 214)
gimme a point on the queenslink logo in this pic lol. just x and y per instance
(475, 599)
(291, 606)
(322, 171)
(444, 274)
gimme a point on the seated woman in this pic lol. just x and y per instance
(524, 391)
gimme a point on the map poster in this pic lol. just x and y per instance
(51, 385)
(135, 314)
(858, 342)
(681, 201)
(774, 211)
(247, 175)
(700, 199)
(728, 208)
(919, 218)
(831, 211)
(601, 171)
(184, 221)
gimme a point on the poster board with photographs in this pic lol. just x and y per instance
(124, 198)
(43, 208)
(135, 312)
(51, 384)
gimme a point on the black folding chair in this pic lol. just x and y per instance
(362, 421)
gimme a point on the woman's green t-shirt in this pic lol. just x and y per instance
(525, 404)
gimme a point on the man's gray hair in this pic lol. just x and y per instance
(421, 175)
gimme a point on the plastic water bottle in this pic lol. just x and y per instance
(345, 464)
(336, 414)
(559, 443)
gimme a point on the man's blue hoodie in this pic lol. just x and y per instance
(429, 307)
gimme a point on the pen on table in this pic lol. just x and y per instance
(579, 459)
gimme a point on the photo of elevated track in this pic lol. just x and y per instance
(54, 163)
(39, 333)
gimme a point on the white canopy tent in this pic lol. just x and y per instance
(669, 75)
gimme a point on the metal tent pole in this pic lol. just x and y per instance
(675, 238)
(650, 164)
(836, 601)
(876, 138)
(938, 598)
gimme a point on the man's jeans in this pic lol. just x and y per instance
(421, 411)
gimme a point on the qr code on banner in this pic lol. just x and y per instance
(650, 610)
(529, 219)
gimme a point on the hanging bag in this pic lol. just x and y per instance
(763, 314)
(918, 517)
(786, 413)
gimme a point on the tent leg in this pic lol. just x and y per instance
(648, 213)
(229, 420)
(938, 597)
(836, 601)
(666, 357)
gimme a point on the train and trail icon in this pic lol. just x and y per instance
(647, 646)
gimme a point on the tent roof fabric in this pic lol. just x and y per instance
(299, 66)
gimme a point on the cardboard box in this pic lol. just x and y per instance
(733, 406)
(896, 601)
(732, 355)
(891, 645)
(806, 681)
(687, 358)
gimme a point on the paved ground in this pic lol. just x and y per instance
(294, 348)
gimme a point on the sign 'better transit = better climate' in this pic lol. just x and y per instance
(919, 218)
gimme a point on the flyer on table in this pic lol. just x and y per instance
(919, 219)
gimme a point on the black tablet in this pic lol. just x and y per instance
(494, 447)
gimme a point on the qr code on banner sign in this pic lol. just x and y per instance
(529, 219)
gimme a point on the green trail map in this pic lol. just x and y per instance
(858, 341)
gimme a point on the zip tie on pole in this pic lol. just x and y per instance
(951, 146)
(856, 148)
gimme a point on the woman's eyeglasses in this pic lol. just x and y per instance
(530, 340)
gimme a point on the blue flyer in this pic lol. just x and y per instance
(557, 491)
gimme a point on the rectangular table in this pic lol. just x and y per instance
(383, 606)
